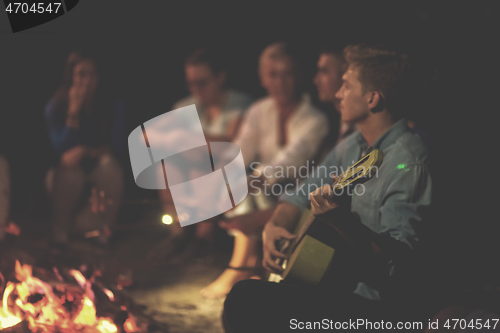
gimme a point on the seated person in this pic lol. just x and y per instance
(88, 134)
(279, 131)
(4, 195)
(220, 110)
(331, 66)
(380, 226)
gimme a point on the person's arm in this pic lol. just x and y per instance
(286, 216)
(61, 136)
(288, 212)
(96, 152)
(407, 193)
(73, 156)
(278, 227)
(64, 136)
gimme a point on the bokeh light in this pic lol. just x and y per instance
(167, 219)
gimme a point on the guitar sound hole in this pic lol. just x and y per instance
(360, 162)
(354, 176)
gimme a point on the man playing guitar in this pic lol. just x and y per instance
(380, 224)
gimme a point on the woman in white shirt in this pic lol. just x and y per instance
(280, 133)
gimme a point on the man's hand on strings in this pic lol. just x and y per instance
(323, 202)
(270, 236)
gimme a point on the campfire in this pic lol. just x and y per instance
(62, 305)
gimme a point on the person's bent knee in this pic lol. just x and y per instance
(68, 173)
(108, 165)
(239, 306)
(108, 161)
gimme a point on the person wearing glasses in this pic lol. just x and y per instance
(219, 107)
(220, 110)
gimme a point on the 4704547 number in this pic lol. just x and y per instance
(472, 324)
(38, 8)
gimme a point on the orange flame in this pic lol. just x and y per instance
(49, 311)
(7, 319)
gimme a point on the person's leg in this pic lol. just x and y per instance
(243, 265)
(246, 226)
(262, 306)
(68, 185)
(107, 178)
(4, 194)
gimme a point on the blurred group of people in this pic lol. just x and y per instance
(284, 129)
(281, 130)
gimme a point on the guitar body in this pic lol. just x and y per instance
(321, 259)
(319, 256)
(309, 262)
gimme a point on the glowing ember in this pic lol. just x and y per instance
(35, 302)
(130, 325)
(110, 294)
(78, 277)
(105, 326)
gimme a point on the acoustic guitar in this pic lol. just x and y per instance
(318, 254)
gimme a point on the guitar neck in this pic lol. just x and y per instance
(289, 246)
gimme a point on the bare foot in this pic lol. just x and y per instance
(223, 284)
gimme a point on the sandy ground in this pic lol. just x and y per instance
(177, 300)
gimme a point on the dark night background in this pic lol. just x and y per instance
(141, 46)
